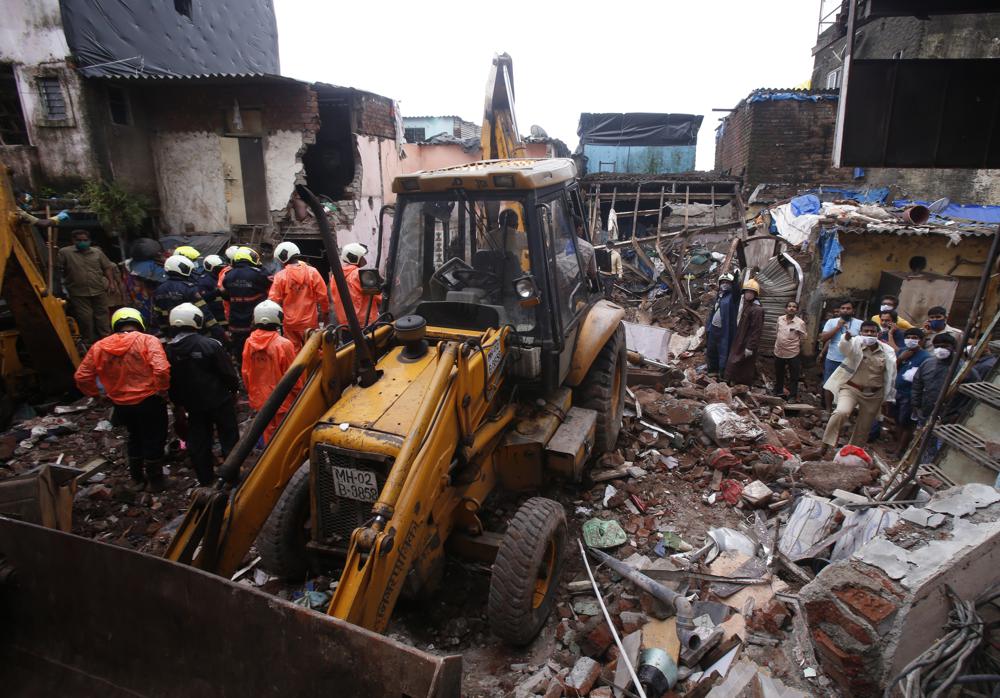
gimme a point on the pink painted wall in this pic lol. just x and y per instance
(420, 156)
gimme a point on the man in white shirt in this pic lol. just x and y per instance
(788, 350)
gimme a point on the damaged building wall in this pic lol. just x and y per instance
(228, 154)
(33, 47)
(867, 255)
(938, 36)
(781, 136)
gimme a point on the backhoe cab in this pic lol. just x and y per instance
(502, 366)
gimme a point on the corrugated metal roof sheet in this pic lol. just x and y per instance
(206, 77)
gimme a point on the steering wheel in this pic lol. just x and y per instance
(456, 274)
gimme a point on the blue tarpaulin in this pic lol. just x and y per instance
(789, 96)
(807, 203)
(830, 248)
(982, 214)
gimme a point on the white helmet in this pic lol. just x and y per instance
(285, 251)
(352, 252)
(231, 252)
(212, 262)
(268, 313)
(187, 315)
(179, 264)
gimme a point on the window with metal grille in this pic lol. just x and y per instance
(53, 99)
(118, 106)
(13, 130)
(414, 135)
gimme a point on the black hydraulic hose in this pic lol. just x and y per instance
(944, 397)
(366, 365)
(229, 471)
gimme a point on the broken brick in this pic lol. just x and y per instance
(866, 604)
(597, 641)
(828, 612)
(583, 676)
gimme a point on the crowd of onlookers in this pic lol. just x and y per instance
(883, 368)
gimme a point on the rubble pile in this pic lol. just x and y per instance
(79, 442)
(702, 530)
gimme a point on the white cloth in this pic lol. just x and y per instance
(794, 229)
(851, 349)
(612, 225)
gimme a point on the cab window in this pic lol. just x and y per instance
(561, 243)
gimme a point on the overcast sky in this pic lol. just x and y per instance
(679, 56)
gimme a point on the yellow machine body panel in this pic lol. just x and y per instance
(602, 320)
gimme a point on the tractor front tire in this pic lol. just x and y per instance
(282, 541)
(603, 390)
(527, 570)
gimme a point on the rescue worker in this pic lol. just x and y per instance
(208, 285)
(266, 357)
(229, 253)
(179, 288)
(192, 254)
(244, 286)
(722, 325)
(88, 277)
(203, 385)
(133, 370)
(352, 259)
(741, 367)
(866, 378)
(299, 289)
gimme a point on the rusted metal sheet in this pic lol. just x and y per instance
(82, 618)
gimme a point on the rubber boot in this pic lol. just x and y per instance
(138, 483)
(154, 474)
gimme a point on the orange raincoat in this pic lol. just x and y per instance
(266, 357)
(298, 289)
(131, 366)
(358, 299)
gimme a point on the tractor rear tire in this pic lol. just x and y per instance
(526, 571)
(282, 541)
(603, 390)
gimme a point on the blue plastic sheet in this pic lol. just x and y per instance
(830, 248)
(790, 97)
(807, 203)
(972, 212)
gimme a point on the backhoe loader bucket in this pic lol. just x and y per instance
(82, 618)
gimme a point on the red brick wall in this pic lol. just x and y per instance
(783, 141)
(374, 115)
(190, 107)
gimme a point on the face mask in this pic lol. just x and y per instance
(942, 352)
(937, 324)
(726, 287)
(846, 316)
(868, 341)
(884, 308)
(911, 343)
(83, 244)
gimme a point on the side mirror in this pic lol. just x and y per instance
(371, 281)
(526, 291)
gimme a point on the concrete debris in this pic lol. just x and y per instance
(724, 426)
(583, 676)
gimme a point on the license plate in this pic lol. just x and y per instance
(355, 484)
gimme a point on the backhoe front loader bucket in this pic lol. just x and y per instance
(82, 618)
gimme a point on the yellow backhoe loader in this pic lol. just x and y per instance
(494, 363)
